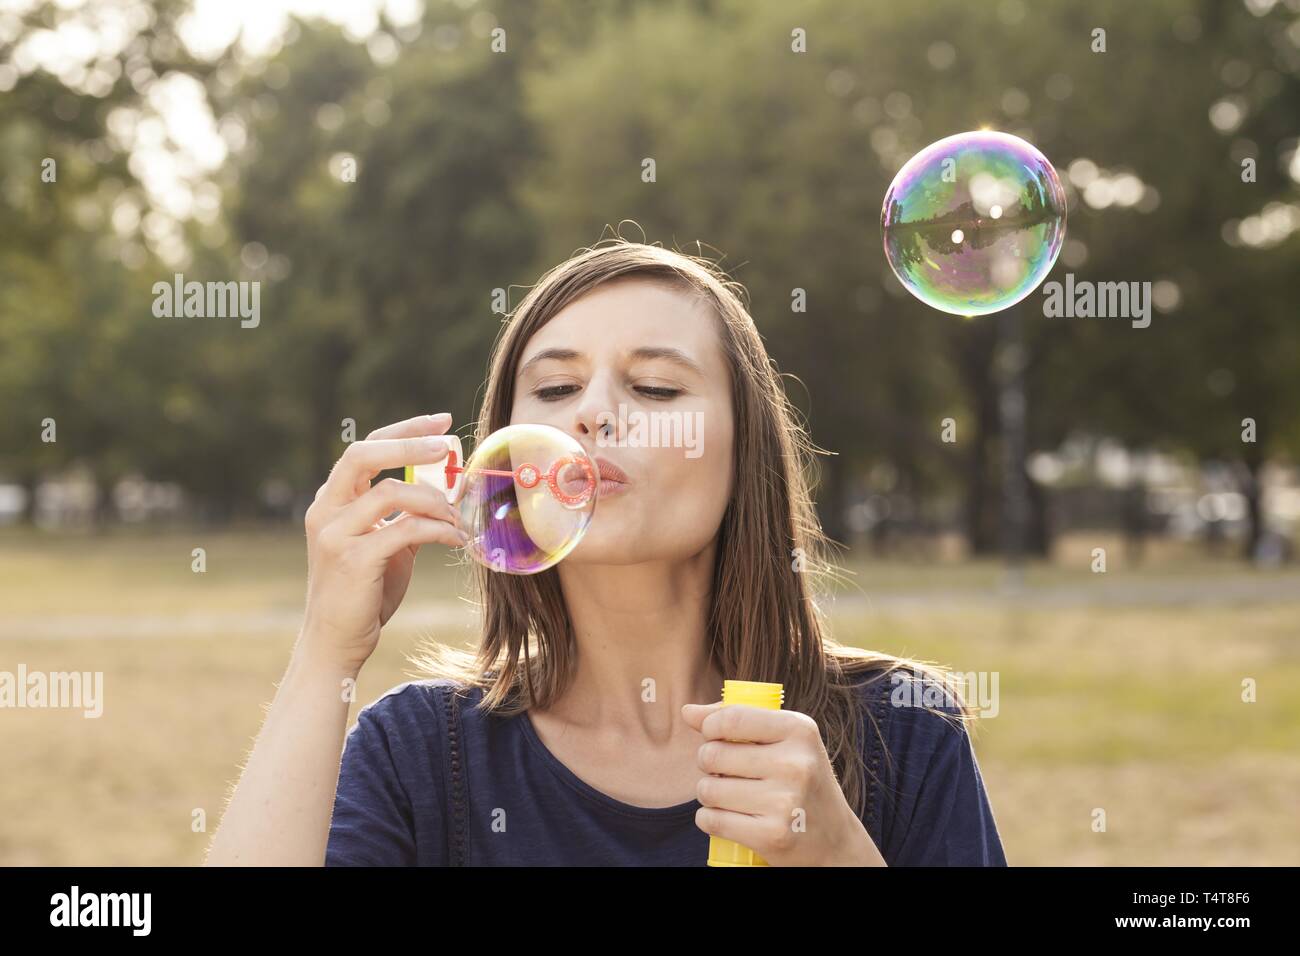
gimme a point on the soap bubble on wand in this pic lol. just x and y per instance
(525, 497)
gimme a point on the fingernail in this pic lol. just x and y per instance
(463, 536)
(435, 444)
(439, 416)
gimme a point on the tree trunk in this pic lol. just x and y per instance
(1038, 536)
(1135, 521)
(1250, 488)
(30, 481)
(975, 347)
(105, 512)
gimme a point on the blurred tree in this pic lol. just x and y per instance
(69, 310)
(774, 133)
(389, 195)
(787, 165)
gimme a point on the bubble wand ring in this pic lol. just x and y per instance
(529, 475)
(448, 476)
(524, 498)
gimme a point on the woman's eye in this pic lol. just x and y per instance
(551, 393)
(656, 392)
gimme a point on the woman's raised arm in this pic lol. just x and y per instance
(359, 567)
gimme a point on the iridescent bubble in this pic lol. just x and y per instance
(973, 223)
(525, 496)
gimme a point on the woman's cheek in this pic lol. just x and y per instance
(697, 513)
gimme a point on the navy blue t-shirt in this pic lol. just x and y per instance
(503, 799)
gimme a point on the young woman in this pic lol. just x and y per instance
(587, 728)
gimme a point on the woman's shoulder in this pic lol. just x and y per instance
(433, 708)
(910, 713)
(928, 787)
(389, 807)
(416, 700)
(913, 689)
(917, 708)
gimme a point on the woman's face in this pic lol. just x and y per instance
(634, 370)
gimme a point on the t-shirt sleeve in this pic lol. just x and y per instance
(373, 822)
(937, 810)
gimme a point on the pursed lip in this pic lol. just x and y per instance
(610, 475)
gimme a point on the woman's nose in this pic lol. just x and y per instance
(596, 418)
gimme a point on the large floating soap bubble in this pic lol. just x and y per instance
(525, 496)
(973, 223)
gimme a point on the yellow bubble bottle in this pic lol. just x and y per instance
(755, 694)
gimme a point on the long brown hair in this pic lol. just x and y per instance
(772, 561)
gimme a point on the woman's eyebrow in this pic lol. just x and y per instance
(676, 356)
(559, 355)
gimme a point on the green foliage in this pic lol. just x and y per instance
(477, 170)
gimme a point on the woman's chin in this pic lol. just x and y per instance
(606, 543)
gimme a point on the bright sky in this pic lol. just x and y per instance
(214, 24)
(175, 142)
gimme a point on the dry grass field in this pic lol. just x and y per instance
(1119, 691)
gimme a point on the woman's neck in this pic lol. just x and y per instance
(642, 639)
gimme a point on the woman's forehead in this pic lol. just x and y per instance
(630, 320)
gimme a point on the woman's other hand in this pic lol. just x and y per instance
(770, 786)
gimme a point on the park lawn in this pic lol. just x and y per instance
(1136, 711)
(1132, 709)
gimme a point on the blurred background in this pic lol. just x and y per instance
(1113, 531)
